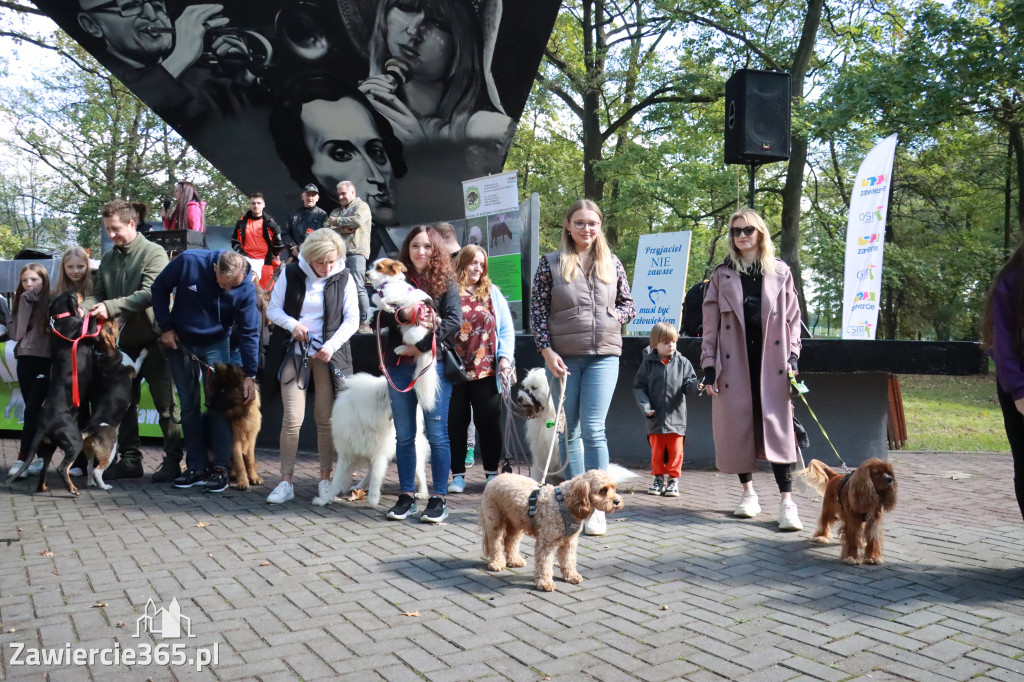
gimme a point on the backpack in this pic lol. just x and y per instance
(693, 314)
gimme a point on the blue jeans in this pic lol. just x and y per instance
(588, 395)
(214, 432)
(403, 407)
(357, 266)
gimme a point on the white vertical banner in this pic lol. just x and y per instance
(659, 280)
(865, 239)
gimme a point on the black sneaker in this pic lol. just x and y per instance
(436, 511)
(168, 471)
(406, 505)
(123, 468)
(217, 481)
(190, 478)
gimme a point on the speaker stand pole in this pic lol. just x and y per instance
(751, 170)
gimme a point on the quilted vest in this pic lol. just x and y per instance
(581, 319)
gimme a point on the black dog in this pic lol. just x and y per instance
(58, 420)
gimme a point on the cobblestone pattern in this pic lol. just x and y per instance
(677, 589)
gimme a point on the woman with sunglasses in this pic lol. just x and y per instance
(751, 342)
(579, 304)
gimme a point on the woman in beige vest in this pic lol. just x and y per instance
(579, 303)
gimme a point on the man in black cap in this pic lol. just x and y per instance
(304, 220)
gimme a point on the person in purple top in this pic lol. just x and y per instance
(1003, 334)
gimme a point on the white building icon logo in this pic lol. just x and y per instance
(164, 623)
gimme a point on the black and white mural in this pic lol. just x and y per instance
(405, 98)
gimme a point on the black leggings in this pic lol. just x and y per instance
(1013, 421)
(482, 395)
(782, 477)
(34, 380)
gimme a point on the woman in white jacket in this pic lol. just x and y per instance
(486, 343)
(316, 311)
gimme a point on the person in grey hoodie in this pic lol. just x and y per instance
(660, 387)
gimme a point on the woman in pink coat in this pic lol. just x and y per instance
(751, 341)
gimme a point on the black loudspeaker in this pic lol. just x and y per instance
(757, 117)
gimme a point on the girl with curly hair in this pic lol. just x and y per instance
(429, 268)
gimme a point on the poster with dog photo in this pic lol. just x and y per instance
(492, 216)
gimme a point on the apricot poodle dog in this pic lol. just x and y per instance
(559, 514)
(857, 501)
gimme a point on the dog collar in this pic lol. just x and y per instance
(571, 525)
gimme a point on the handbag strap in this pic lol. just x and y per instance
(300, 361)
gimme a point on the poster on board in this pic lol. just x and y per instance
(659, 280)
(493, 222)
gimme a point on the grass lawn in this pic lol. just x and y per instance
(952, 413)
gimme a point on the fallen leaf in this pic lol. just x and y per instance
(12, 630)
(98, 605)
(265, 563)
(412, 614)
(210, 555)
(202, 524)
(121, 624)
(47, 553)
(664, 607)
(357, 494)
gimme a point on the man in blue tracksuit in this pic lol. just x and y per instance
(212, 293)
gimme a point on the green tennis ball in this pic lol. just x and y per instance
(549, 423)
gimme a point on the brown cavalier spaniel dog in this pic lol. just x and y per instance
(857, 501)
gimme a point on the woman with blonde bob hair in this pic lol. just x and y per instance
(579, 304)
(315, 309)
(751, 342)
(486, 344)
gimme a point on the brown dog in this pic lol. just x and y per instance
(227, 397)
(505, 518)
(857, 501)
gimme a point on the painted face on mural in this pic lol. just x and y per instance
(346, 145)
(136, 31)
(425, 45)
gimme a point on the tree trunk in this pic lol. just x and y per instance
(1017, 143)
(593, 58)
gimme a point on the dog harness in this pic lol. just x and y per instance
(572, 526)
(76, 398)
(839, 494)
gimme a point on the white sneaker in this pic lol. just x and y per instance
(596, 524)
(282, 493)
(789, 517)
(76, 472)
(749, 507)
(36, 466)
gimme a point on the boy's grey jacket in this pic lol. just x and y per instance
(663, 388)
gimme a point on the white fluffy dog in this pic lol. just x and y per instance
(364, 437)
(391, 292)
(534, 396)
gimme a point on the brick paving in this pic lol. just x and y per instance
(677, 589)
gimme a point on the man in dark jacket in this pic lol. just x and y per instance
(303, 221)
(122, 289)
(212, 293)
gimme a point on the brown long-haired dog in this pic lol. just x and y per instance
(857, 501)
(504, 519)
(227, 396)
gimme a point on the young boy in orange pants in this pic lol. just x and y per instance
(660, 387)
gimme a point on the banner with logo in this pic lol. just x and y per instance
(659, 280)
(865, 238)
(493, 222)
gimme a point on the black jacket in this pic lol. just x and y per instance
(294, 279)
(449, 314)
(663, 388)
(303, 221)
(271, 234)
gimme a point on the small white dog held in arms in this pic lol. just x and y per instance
(363, 431)
(391, 292)
(513, 506)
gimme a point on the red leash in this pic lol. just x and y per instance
(417, 313)
(76, 399)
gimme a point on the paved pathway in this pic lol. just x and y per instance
(678, 589)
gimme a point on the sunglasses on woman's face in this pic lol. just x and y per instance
(746, 231)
